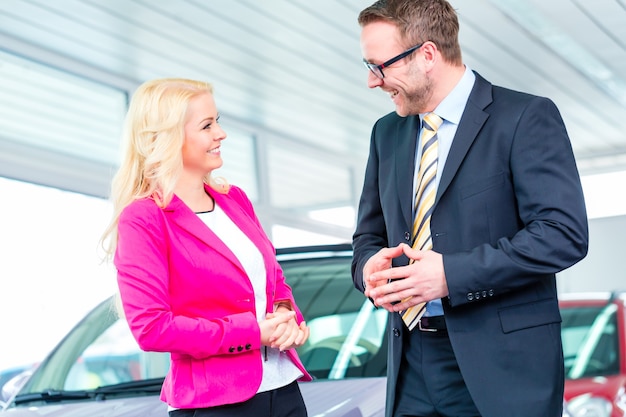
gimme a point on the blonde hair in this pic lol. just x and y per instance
(152, 142)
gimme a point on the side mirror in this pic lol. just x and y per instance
(12, 386)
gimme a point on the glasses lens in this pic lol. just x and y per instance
(374, 69)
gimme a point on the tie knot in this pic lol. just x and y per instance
(432, 121)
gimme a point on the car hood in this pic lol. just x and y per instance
(126, 407)
(600, 386)
(363, 397)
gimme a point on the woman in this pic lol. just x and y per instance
(197, 275)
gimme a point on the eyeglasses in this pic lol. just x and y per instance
(377, 70)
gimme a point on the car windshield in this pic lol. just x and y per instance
(590, 340)
(347, 340)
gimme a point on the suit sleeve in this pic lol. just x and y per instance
(543, 231)
(371, 233)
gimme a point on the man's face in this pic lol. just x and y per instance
(405, 80)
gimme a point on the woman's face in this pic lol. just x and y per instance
(203, 136)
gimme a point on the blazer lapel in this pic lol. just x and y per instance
(245, 220)
(473, 119)
(188, 220)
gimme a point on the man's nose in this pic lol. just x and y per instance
(373, 81)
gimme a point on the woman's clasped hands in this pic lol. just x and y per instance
(280, 330)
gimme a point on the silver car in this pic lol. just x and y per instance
(98, 369)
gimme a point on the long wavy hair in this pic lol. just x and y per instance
(152, 142)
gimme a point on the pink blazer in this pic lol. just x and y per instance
(184, 292)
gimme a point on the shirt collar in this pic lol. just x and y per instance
(452, 106)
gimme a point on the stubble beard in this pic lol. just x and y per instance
(416, 100)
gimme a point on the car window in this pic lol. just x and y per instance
(347, 336)
(590, 341)
(347, 333)
(113, 358)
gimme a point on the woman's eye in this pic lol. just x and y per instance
(208, 126)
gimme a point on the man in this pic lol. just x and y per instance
(508, 214)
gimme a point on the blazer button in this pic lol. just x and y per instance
(231, 349)
(407, 236)
(490, 293)
(484, 294)
(470, 296)
(239, 348)
(396, 332)
(477, 295)
(248, 346)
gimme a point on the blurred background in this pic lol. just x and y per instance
(291, 88)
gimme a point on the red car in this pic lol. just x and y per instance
(594, 345)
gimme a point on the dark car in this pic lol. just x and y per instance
(594, 345)
(98, 369)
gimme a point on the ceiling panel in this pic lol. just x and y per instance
(290, 71)
(511, 52)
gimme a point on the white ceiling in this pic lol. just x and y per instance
(291, 69)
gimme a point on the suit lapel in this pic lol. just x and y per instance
(405, 164)
(473, 119)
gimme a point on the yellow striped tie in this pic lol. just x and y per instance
(424, 200)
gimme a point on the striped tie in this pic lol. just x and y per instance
(424, 200)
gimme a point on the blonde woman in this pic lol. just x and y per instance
(197, 275)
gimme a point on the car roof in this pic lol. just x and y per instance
(316, 251)
(593, 296)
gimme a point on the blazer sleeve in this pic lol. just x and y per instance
(143, 278)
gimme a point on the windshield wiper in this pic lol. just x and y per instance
(144, 386)
(51, 396)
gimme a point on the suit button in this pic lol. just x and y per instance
(490, 293)
(484, 294)
(470, 296)
(396, 332)
(477, 295)
(248, 346)
(231, 349)
(407, 236)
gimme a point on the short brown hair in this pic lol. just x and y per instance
(419, 21)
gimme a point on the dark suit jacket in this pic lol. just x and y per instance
(509, 215)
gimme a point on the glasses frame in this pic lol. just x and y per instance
(377, 70)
